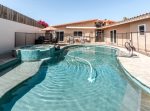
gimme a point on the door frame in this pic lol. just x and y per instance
(99, 35)
(58, 32)
(113, 36)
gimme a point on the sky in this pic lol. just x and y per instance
(64, 11)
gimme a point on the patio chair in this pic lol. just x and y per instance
(77, 40)
(47, 39)
(71, 40)
(88, 40)
(82, 39)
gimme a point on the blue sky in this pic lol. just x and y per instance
(63, 11)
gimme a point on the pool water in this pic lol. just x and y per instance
(62, 84)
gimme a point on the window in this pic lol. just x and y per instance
(78, 33)
(75, 33)
(142, 29)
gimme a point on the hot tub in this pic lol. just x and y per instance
(36, 52)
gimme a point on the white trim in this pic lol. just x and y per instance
(69, 27)
(59, 31)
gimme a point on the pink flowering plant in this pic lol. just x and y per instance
(43, 23)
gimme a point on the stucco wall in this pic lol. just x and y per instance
(138, 40)
(86, 32)
(121, 38)
(7, 33)
(134, 25)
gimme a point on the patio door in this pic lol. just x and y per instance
(60, 35)
(99, 36)
(113, 35)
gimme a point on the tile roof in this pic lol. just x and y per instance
(128, 20)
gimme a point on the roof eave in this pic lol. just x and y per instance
(135, 19)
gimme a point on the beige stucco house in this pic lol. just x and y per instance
(86, 30)
(116, 33)
(136, 29)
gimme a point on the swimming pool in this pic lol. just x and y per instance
(78, 79)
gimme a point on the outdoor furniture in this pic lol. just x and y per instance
(82, 39)
(47, 39)
(77, 40)
(54, 39)
(40, 40)
(50, 35)
(87, 40)
(71, 40)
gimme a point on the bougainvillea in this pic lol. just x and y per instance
(43, 23)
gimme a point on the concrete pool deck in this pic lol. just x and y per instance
(12, 78)
(138, 66)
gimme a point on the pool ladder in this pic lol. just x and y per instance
(130, 48)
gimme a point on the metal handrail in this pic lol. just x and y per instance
(129, 47)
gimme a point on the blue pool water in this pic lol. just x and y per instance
(62, 84)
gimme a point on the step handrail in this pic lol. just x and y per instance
(129, 47)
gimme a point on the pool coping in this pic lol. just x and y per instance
(129, 73)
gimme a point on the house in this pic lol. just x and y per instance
(136, 29)
(117, 33)
(85, 29)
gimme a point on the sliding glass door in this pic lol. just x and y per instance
(60, 35)
(113, 36)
